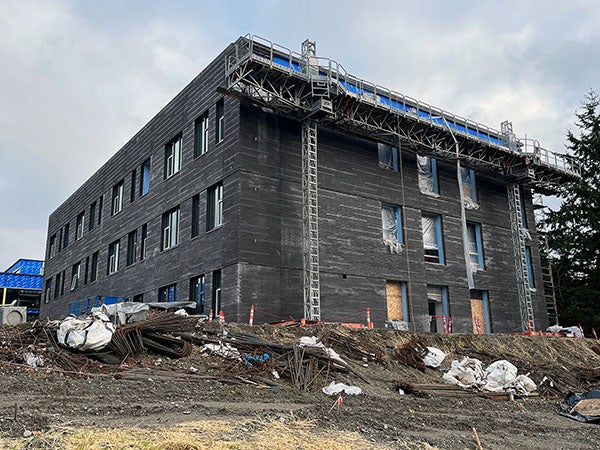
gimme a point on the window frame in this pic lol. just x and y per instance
(170, 229)
(116, 205)
(398, 217)
(66, 236)
(52, 246)
(198, 292)
(145, 177)
(214, 207)
(173, 151)
(476, 227)
(217, 287)
(94, 267)
(114, 249)
(79, 225)
(385, 163)
(201, 127)
(132, 189)
(132, 247)
(169, 292)
(75, 275)
(143, 242)
(195, 227)
(92, 221)
(220, 121)
(433, 169)
(441, 259)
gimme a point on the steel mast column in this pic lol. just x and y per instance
(310, 198)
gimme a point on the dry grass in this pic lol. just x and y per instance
(200, 435)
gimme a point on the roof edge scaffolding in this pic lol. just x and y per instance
(273, 76)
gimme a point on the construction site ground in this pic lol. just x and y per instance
(221, 403)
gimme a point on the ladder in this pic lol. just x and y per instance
(549, 293)
(518, 238)
(310, 222)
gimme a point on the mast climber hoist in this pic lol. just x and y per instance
(318, 92)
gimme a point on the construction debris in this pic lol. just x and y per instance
(93, 333)
(338, 388)
(582, 407)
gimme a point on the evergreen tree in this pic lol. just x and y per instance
(574, 230)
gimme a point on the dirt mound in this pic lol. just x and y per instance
(272, 378)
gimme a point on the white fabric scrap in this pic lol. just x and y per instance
(434, 357)
(223, 350)
(33, 360)
(336, 388)
(312, 342)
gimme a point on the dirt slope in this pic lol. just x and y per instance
(153, 391)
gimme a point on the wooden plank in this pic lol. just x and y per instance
(589, 407)
(393, 295)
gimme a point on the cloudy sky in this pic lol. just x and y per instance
(79, 78)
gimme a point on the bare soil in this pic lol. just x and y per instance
(153, 395)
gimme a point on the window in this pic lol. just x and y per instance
(132, 188)
(432, 238)
(48, 290)
(173, 157)
(397, 300)
(469, 188)
(75, 275)
(57, 285)
(388, 157)
(117, 198)
(143, 243)
(428, 176)
(480, 312)
(100, 204)
(391, 224)
(87, 268)
(66, 236)
(138, 298)
(529, 262)
(80, 226)
(92, 221)
(439, 309)
(475, 246)
(214, 207)
(195, 215)
(113, 257)
(168, 293)
(52, 247)
(145, 177)
(94, 267)
(201, 135)
(216, 292)
(197, 285)
(170, 229)
(220, 122)
(131, 248)
(62, 282)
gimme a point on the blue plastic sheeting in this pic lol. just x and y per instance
(83, 307)
(27, 267)
(19, 281)
(394, 104)
(285, 62)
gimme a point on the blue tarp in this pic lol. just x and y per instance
(18, 281)
(27, 267)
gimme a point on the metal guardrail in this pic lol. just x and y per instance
(288, 61)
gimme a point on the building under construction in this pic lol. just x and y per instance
(279, 180)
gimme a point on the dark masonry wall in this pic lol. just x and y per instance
(258, 248)
(355, 263)
(209, 251)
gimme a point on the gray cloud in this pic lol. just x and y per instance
(79, 79)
